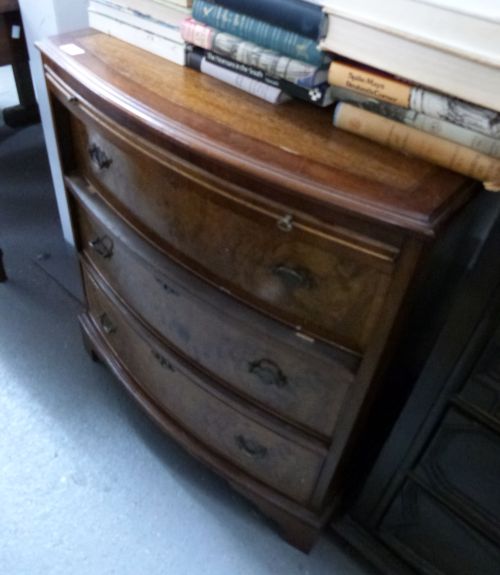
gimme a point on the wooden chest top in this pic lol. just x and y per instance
(293, 147)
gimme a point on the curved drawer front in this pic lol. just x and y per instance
(328, 286)
(216, 422)
(294, 378)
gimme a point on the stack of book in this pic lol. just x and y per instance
(153, 25)
(268, 48)
(420, 76)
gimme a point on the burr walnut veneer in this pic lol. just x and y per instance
(246, 267)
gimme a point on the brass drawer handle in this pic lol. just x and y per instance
(107, 325)
(102, 245)
(294, 277)
(99, 157)
(251, 447)
(268, 372)
(162, 361)
(285, 224)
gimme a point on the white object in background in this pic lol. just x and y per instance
(15, 32)
(42, 19)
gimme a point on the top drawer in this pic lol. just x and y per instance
(330, 283)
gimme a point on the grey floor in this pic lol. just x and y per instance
(87, 483)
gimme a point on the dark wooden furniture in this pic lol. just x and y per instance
(3, 274)
(246, 267)
(431, 504)
(13, 51)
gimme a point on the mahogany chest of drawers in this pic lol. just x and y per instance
(246, 267)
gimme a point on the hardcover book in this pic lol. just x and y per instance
(448, 45)
(297, 16)
(270, 62)
(262, 33)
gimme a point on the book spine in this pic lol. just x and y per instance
(440, 106)
(427, 146)
(133, 18)
(441, 128)
(181, 3)
(295, 15)
(369, 83)
(262, 33)
(138, 37)
(240, 68)
(319, 95)
(456, 111)
(250, 54)
(193, 59)
(270, 94)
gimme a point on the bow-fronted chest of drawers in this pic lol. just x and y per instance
(246, 267)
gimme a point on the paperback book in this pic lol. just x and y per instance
(137, 19)
(320, 95)
(426, 146)
(270, 94)
(394, 91)
(447, 130)
(139, 37)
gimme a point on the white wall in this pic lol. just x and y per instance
(44, 18)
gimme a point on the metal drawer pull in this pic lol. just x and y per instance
(99, 157)
(106, 324)
(162, 361)
(251, 447)
(72, 99)
(294, 277)
(285, 224)
(103, 245)
(268, 372)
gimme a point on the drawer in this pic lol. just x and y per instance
(435, 540)
(330, 283)
(223, 426)
(302, 381)
(482, 389)
(471, 487)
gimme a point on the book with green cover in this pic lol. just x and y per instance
(262, 33)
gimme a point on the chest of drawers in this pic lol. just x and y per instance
(246, 267)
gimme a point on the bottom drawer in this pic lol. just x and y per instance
(224, 426)
(434, 539)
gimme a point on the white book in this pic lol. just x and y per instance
(153, 43)
(183, 3)
(263, 91)
(167, 13)
(436, 43)
(118, 12)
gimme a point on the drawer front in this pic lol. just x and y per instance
(434, 539)
(296, 379)
(482, 389)
(329, 287)
(462, 464)
(223, 427)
